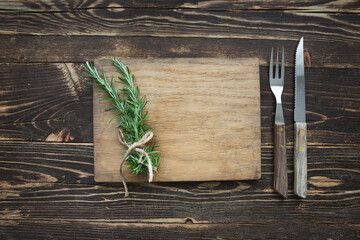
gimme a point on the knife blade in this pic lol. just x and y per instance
(300, 141)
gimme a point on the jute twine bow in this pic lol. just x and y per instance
(136, 146)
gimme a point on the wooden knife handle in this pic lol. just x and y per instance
(300, 160)
(280, 162)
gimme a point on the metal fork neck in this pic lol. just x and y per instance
(279, 115)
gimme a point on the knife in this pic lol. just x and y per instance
(300, 143)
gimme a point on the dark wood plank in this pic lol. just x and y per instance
(69, 129)
(281, 25)
(211, 202)
(85, 229)
(225, 5)
(41, 115)
(81, 48)
(45, 102)
(25, 163)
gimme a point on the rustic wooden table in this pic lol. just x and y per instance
(46, 160)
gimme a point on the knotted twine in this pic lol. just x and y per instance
(136, 146)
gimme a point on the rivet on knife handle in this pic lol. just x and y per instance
(300, 160)
(280, 162)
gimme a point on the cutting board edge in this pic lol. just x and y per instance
(179, 58)
(256, 177)
(255, 59)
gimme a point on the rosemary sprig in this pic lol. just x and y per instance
(130, 115)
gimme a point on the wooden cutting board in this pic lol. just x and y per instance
(206, 116)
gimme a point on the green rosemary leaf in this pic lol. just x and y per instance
(109, 108)
(113, 117)
(148, 126)
(129, 112)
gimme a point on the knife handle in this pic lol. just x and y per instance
(300, 160)
(280, 162)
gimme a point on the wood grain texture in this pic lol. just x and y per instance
(300, 160)
(202, 203)
(280, 160)
(117, 230)
(206, 116)
(17, 48)
(279, 25)
(26, 164)
(57, 83)
(55, 103)
(225, 5)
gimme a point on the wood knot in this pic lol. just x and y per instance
(188, 221)
(63, 135)
(307, 58)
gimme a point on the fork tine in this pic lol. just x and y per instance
(271, 65)
(282, 65)
(277, 64)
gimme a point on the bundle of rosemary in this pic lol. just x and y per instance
(133, 132)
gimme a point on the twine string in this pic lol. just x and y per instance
(136, 146)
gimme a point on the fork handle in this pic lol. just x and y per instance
(280, 162)
(300, 160)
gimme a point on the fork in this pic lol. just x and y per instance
(280, 162)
